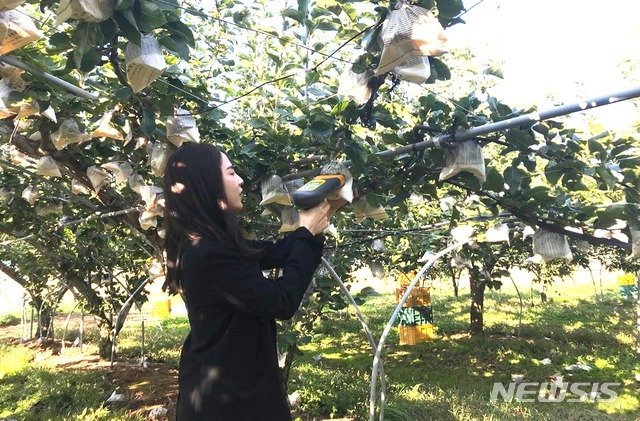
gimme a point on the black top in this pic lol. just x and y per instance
(229, 361)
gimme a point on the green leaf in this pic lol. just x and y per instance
(553, 173)
(257, 123)
(519, 139)
(123, 94)
(540, 194)
(449, 8)
(109, 30)
(148, 124)
(516, 179)
(91, 60)
(303, 6)
(312, 77)
(84, 39)
(494, 181)
(167, 5)
(60, 40)
(294, 14)
(498, 109)
(321, 127)
(124, 5)
(607, 177)
(128, 26)
(596, 148)
(426, 4)
(356, 154)
(182, 30)
(439, 69)
(608, 216)
(340, 107)
(216, 114)
(177, 45)
(150, 17)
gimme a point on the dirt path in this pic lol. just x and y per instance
(144, 388)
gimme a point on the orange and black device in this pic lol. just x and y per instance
(318, 189)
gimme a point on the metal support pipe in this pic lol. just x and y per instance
(12, 61)
(367, 331)
(536, 116)
(526, 119)
(377, 359)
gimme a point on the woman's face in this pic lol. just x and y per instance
(232, 184)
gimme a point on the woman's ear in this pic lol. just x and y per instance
(222, 204)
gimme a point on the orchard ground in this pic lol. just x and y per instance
(449, 378)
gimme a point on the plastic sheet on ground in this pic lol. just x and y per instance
(409, 32)
(182, 127)
(143, 63)
(85, 10)
(274, 192)
(16, 30)
(464, 156)
(551, 246)
(48, 167)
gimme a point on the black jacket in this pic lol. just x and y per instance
(229, 362)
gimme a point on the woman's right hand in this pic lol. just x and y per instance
(316, 219)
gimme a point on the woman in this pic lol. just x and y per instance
(229, 363)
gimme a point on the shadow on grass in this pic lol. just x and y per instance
(597, 333)
(38, 393)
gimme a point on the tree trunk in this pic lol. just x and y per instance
(105, 342)
(454, 281)
(45, 325)
(638, 314)
(477, 305)
(286, 368)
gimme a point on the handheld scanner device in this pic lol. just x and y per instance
(318, 189)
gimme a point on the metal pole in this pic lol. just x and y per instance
(367, 331)
(378, 356)
(81, 330)
(638, 314)
(522, 120)
(12, 61)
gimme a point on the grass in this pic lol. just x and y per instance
(36, 391)
(449, 378)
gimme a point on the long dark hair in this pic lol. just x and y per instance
(193, 190)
